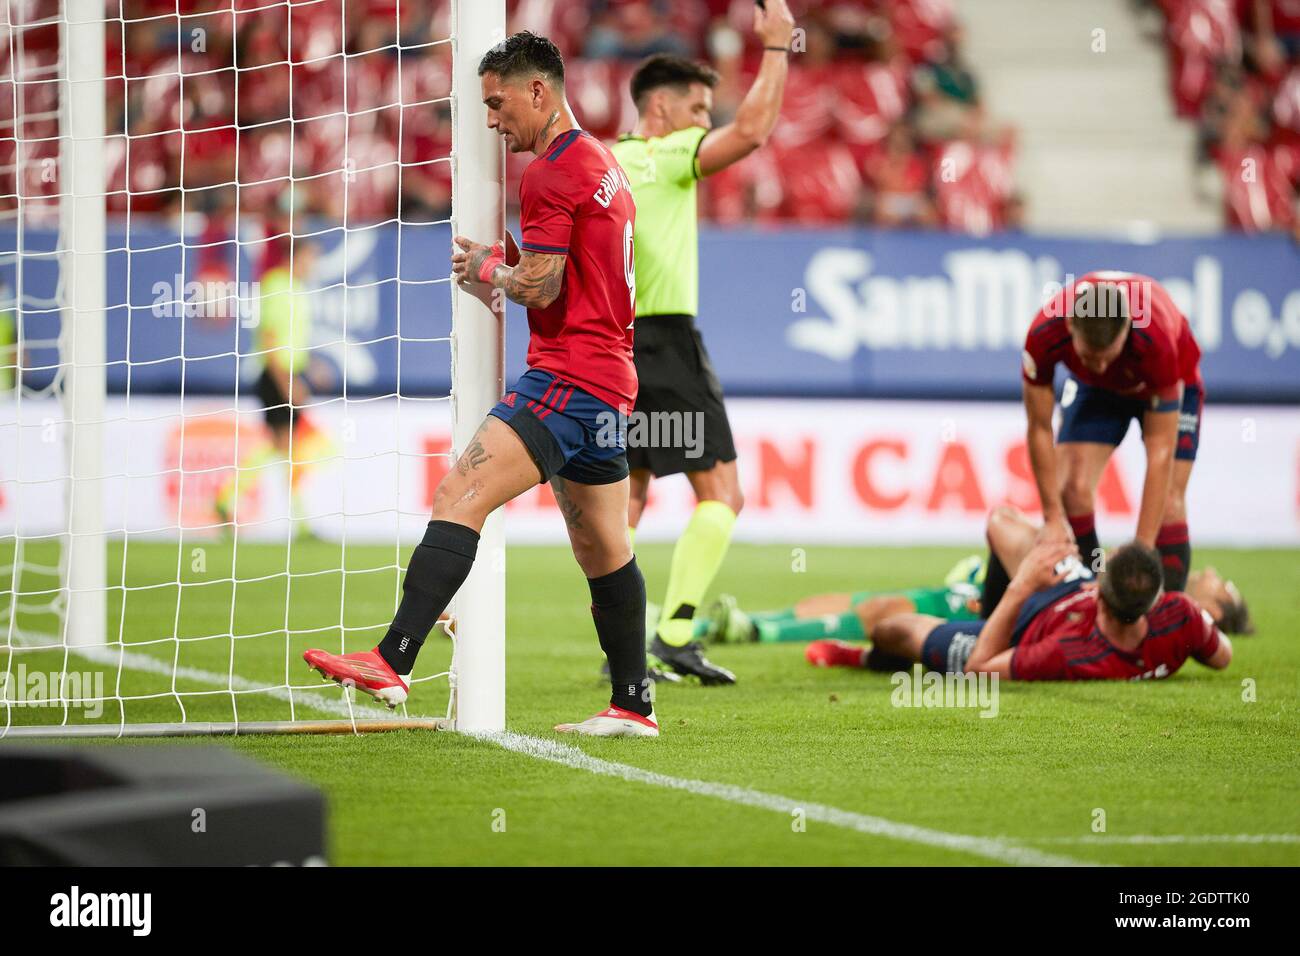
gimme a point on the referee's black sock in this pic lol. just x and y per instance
(618, 608)
(996, 580)
(438, 567)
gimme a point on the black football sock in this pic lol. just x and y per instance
(996, 580)
(1085, 535)
(878, 660)
(438, 567)
(618, 608)
(1175, 549)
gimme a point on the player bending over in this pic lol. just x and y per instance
(671, 148)
(1054, 621)
(1130, 354)
(574, 275)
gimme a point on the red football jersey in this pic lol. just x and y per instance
(575, 200)
(1063, 642)
(1160, 351)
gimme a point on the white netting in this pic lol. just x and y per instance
(278, 182)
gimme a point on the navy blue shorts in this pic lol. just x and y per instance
(948, 646)
(1090, 414)
(569, 432)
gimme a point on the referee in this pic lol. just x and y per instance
(672, 147)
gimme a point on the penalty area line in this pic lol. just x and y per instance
(990, 848)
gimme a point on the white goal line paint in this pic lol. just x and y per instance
(138, 661)
(1153, 839)
(995, 849)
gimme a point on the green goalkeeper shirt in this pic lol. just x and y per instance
(663, 171)
(284, 321)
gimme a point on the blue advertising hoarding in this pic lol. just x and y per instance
(825, 313)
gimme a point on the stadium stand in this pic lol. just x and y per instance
(1234, 70)
(882, 121)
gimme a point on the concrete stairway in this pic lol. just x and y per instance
(1101, 151)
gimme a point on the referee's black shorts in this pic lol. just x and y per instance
(275, 404)
(674, 374)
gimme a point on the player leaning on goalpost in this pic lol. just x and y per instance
(574, 273)
(1130, 354)
(671, 148)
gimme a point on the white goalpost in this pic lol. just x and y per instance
(165, 555)
(478, 360)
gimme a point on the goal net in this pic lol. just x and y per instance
(233, 366)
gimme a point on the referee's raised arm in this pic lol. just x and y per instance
(761, 106)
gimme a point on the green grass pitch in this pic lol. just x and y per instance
(1182, 759)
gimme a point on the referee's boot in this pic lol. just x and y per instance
(689, 661)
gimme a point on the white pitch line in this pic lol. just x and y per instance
(137, 661)
(998, 850)
(1150, 839)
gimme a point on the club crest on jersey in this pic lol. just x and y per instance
(613, 180)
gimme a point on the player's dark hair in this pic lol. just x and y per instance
(1132, 581)
(1235, 618)
(664, 69)
(1100, 311)
(521, 53)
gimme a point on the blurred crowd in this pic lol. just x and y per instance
(1235, 72)
(256, 109)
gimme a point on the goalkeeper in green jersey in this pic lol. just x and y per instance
(290, 374)
(849, 617)
(672, 147)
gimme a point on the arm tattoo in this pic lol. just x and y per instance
(536, 282)
(572, 513)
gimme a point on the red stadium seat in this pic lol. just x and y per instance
(821, 182)
(808, 110)
(598, 92)
(1201, 34)
(872, 98)
(1258, 195)
(971, 184)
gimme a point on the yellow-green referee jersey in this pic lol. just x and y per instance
(663, 171)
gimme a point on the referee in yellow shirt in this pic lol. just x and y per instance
(671, 148)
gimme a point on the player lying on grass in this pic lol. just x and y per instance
(574, 275)
(1054, 621)
(840, 615)
(854, 617)
(1130, 354)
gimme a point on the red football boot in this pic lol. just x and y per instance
(614, 722)
(835, 654)
(364, 670)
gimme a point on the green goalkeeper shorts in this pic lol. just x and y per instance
(952, 603)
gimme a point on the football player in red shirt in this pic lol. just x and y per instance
(562, 421)
(1130, 354)
(1054, 620)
